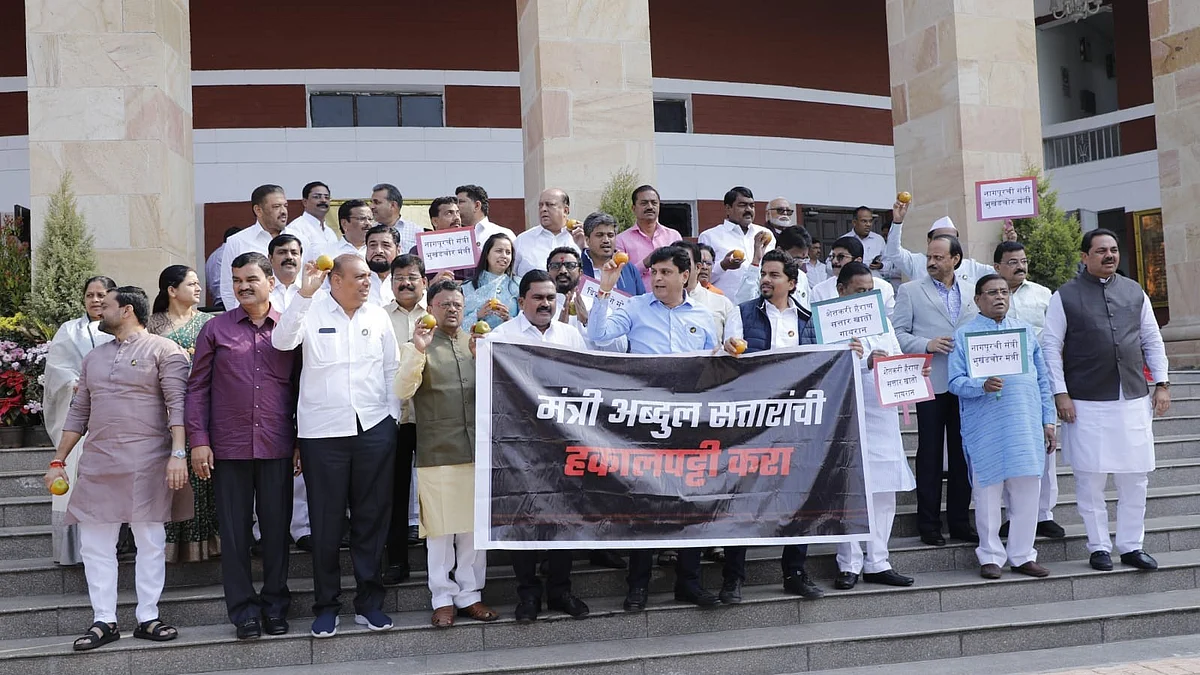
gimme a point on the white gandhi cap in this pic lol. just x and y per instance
(942, 223)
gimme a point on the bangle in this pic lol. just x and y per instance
(57, 464)
(603, 294)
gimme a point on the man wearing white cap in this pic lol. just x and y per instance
(913, 264)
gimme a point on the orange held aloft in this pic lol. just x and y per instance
(59, 487)
(427, 322)
(620, 257)
(904, 197)
(324, 263)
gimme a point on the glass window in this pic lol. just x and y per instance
(377, 111)
(670, 116)
(332, 110)
(421, 111)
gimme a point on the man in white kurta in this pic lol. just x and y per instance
(733, 241)
(1100, 332)
(844, 250)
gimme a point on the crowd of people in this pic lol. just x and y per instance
(336, 406)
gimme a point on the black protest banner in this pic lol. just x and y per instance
(592, 450)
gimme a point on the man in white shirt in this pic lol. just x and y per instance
(286, 253)
(733, 240)
(382, 246)
(565, 267)
(717, 304)
(817, 270)
(310, 226)
(386, 202)
(473, 208)
(212, 268)
(873, 243)
(346, 423)
(354, 217)
(913, 265)
(270, 208)
(844, 250)
(533, 246)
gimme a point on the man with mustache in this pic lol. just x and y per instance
(600, 231)
(285, 253)
(850, 249)
(533, 246)
(1006, 458)
(270, 207)
(873, 243)
(535, 324)
(383, 243)
(817, 271)
(928, 312)
(647, 234)
(386, 203)
(473, 205)
(310, 226)
(1028, 301)
(572, 308)
(354, 217)
(1100, 334)
(736, 234)
(913, 264)
(780, 215)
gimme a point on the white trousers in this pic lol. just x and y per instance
(98, 548)
(1022, 495)
(455, 553)
(1048, 497)
(850, 554)
(414, 503)
(1131, 509)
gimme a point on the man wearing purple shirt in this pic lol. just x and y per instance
(240, 419)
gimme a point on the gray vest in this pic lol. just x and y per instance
(445, 403)
(1102, 349)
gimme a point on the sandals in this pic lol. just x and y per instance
(443, 617)
(98, 635)
(479, 612)
(155, 630)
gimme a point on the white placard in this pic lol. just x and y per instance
(1008, 198)
(898, 379)
(854, 316)
(996, 353)
(589, 287)
(444, 250)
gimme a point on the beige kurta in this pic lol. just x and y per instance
(130, 394)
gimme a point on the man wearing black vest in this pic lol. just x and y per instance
(1100, 334)
(773, 321)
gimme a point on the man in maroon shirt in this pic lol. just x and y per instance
(240, 419)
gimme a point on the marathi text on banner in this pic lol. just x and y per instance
(1003, 199)
(854, 316)
(997, 353)
(589, 287)
(898, 379)
(448, 250)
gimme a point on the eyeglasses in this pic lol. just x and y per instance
(1023, 262)
(839, 257)
(456, 306)
(704, 263)
(997, 293)
(414, 279)
(317, 195)
(555, 266)
(784, 212)
(359, 219)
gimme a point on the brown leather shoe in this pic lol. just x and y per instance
(479, 612)
(989, 571)
(1032, 569)
(443, 617)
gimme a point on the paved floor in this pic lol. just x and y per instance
(1174, 666)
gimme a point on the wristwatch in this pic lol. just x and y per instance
(179, 454)
(1164, 384)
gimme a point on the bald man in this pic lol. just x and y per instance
(533, 246)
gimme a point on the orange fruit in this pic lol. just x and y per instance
(738, 344)
(481, 327)
(737, 254)
(427, 322)
(324, 263)
(59, 487)
(620, 257)
(904, 197)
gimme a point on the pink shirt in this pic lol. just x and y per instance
(635, 243)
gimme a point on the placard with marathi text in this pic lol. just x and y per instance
(448, 250)
(996, 353)
(898, 379)
(854, 316)
(1007, 198)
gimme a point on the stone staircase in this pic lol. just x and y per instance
(950, 616)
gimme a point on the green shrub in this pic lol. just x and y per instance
(1051, 240)
(65, 257)
(14, 266)
(617, 198)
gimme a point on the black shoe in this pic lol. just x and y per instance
(570, 605)
(1004, 530)
(1139, 559)
(1051, 529)
(731, 592)
(304, 543)
(933, 538)
(414, 535)
(1101, 560)
(888, 577)
(527, 611)
(845, 581)
(394, 575)
(697, 596)
(799, 583)
(968, 535)
(635, 600)
(249, 629)
(274, 625)
(608, 559)
(256, 548)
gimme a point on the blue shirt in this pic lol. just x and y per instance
(630, 281)
(652, 327)
(951, 297)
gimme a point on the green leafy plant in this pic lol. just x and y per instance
(14, 266)
(65, 257)
(616, 199)
(1051, 239)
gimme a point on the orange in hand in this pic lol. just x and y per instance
(481, 327)
(427, 322)
(324, 263)
(59, 487)
(904, 197)
(738, 344)
(737, 254)
(620, 257)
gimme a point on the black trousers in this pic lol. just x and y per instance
(938, 421)
(792, 560)
(558, 577)
(735, 564)
(355, 471)
(397, 541)
(236, 485)
(687, 568)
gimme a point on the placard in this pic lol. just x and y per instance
(997, 352)
(854, 316)
(589, 287)
(1007, 198)
(898, 379)
(448, 250)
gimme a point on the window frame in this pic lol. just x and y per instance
(354, 95)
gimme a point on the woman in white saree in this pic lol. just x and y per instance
(73, 340)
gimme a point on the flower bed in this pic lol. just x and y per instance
(22, 376)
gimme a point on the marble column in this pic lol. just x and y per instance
(964, 108)
(110, 100)
(587, 105)
(1175, 58)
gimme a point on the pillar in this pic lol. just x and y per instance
(110, 100)
(587, 103)
(964, 108)
(1175, 59)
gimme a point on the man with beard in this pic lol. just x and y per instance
(347, 429)
(386, 202)
(130, 403)
(564, 267)
(844, 250)
(285, 252)
(437, 371)
(1028, 302)
(600, 232)
(733, 240)
(406, 308)
(270, 208)
(1099, 336)
(928, 312)
(535, 324)
(533, 246)
(780, 215)
(383, 243)
(647, 234)
(310, 226)
(473, 205)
